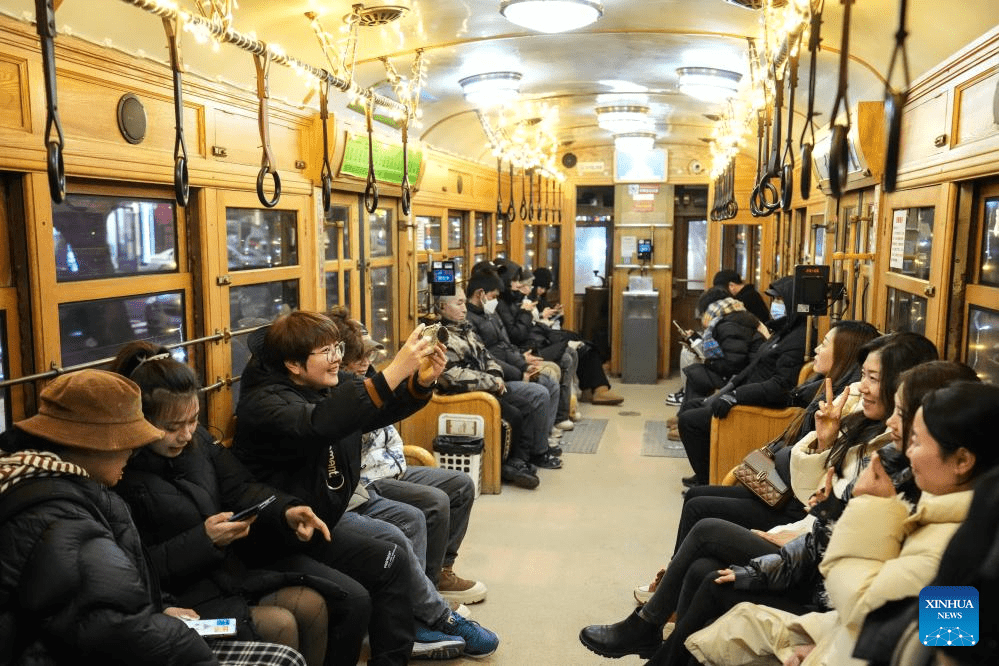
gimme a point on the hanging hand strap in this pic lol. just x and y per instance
(371, 185)
(45, 24)
(814, 39)
(839, 151)
(326, 174)
(407, 191)
(894, 101)
(511, 211)
(263, 64)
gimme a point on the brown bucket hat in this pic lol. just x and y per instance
(92, 409)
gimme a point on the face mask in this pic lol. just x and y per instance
(777, 309)
(490, 306)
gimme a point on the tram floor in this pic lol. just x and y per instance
(570, 552)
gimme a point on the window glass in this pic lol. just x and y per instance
(480, 229)
(92, 330)
(381, 306)
(459, 267)
(346, 291)
(380, 233)
(990, 244)
(431, 231)
(479, 257)
(906, 312)
(335, 226)
(529, 246)
(255, 304)
(591, 257)
(104, 236)
(501, 230)
(455, 232)
(913, 228)
(983, 343)
(697, 251)
(257, 238)
(332, 290)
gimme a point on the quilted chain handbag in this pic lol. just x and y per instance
(758, 473)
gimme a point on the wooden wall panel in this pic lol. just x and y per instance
(15, 111)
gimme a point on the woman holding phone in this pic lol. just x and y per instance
(183, 491)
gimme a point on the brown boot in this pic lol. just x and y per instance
(673, 421)
(586, 395)
(455, 588)
(603, 395)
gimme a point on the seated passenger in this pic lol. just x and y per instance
(882, 549)
(713, 543)
(74, 585)
(470, 367)
(731, 337)
(766, 381)
(444, 496)
(182, 491)
(731, 281)
(299, 427)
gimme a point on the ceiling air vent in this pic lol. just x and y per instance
(379, 12)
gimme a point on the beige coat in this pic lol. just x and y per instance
(878, 553)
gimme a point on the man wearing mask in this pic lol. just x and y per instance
(744, 292)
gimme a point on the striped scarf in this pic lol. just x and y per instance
(29, 464)
(715, 312)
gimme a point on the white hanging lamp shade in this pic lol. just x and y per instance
(624, 118)
(708, 84)
(491, 88)
(551, 15)
(635, 142)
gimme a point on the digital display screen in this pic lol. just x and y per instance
(443, 275)
(644, 247)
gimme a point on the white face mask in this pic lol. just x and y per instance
(777, 309)
(490, 306)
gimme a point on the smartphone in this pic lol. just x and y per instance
(252, 511)
(680, 329)
(223, 626)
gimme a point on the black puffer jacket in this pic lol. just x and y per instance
(286, 434)
(74, 586)
(773, 371)
(738, 338)
(170, 499)
(491, 331)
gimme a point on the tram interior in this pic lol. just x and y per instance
(363, 154)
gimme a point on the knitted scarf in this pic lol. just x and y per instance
(716, 311)
(29, 464)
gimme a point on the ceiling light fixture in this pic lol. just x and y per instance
(551, 15)
(621, 119)
(491, 89)
(708, 84)
(635, 142)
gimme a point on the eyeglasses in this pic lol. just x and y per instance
(332, 353)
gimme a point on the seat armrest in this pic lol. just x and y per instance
(417, 456)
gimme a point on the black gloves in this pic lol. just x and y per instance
(723, 405)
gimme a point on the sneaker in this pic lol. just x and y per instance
(455, 588)
(690, 481)
(555, 434)
(479, 641)
(565, 425)
(554, 449)
(431, 644)
(518, 472)
(644, 592)
(460, 609)
(546, 461)
(675, 399)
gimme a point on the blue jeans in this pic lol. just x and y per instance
(445, 497)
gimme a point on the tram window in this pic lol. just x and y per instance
(337, 221)
(913, 228)
(697, 253)
(255, 304)
(983, 343)
(459, 263)
(381, 306)
(380, 233)
(346, 291)
(906, 312)
(478, 257)
(92, 330)
(455, 232)
(819, 229)
(106, 236)
(501, 230)
(431, 231)
(333, 295)
(258, 238)
(553, 249)
(528, 246)
(480, 230)
(989, 256)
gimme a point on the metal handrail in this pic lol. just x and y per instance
(56, 370)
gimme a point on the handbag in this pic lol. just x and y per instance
(758, 472)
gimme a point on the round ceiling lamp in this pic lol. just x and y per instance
(708, 84)
(551, 15)
(622, 119)
(635, 142)
(491, 89)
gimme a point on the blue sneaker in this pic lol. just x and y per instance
(430, 644)
(479, 641)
